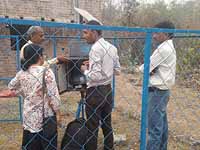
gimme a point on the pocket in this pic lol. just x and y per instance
(101, 90)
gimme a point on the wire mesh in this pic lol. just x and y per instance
(182, 110)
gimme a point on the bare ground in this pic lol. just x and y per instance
(183, 116)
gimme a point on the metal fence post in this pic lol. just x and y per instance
(18, 63)
(54, 52)
(54, 47)
(20, 109)
(147, 52)
(113, 81)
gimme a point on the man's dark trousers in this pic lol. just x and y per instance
(98, 110)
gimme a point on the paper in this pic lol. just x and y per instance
(86, 15)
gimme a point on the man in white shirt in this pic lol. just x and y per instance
(103, 63)
(36, 35)
(162, 78)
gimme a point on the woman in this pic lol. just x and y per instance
(38, 106)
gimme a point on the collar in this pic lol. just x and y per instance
(22, 49)
(165, 42)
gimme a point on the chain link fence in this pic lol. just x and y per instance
(128, 89)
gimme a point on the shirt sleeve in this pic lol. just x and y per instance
(52, 90)
(159, 56)
(117, 64)
(95, 66)
(14, 85)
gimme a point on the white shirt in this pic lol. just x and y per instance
(162, 66)
(103, 62)
(47, 63)
(22, 49)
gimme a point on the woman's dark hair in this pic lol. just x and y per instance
(32, 53)
(94, 22)
(166, 25)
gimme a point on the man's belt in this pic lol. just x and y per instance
(153, 89)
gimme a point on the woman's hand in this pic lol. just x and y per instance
(7, 93)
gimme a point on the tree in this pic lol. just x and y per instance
(129, 9)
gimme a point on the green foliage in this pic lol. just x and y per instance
(129, 61)
(192, 58)
(190, 61)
